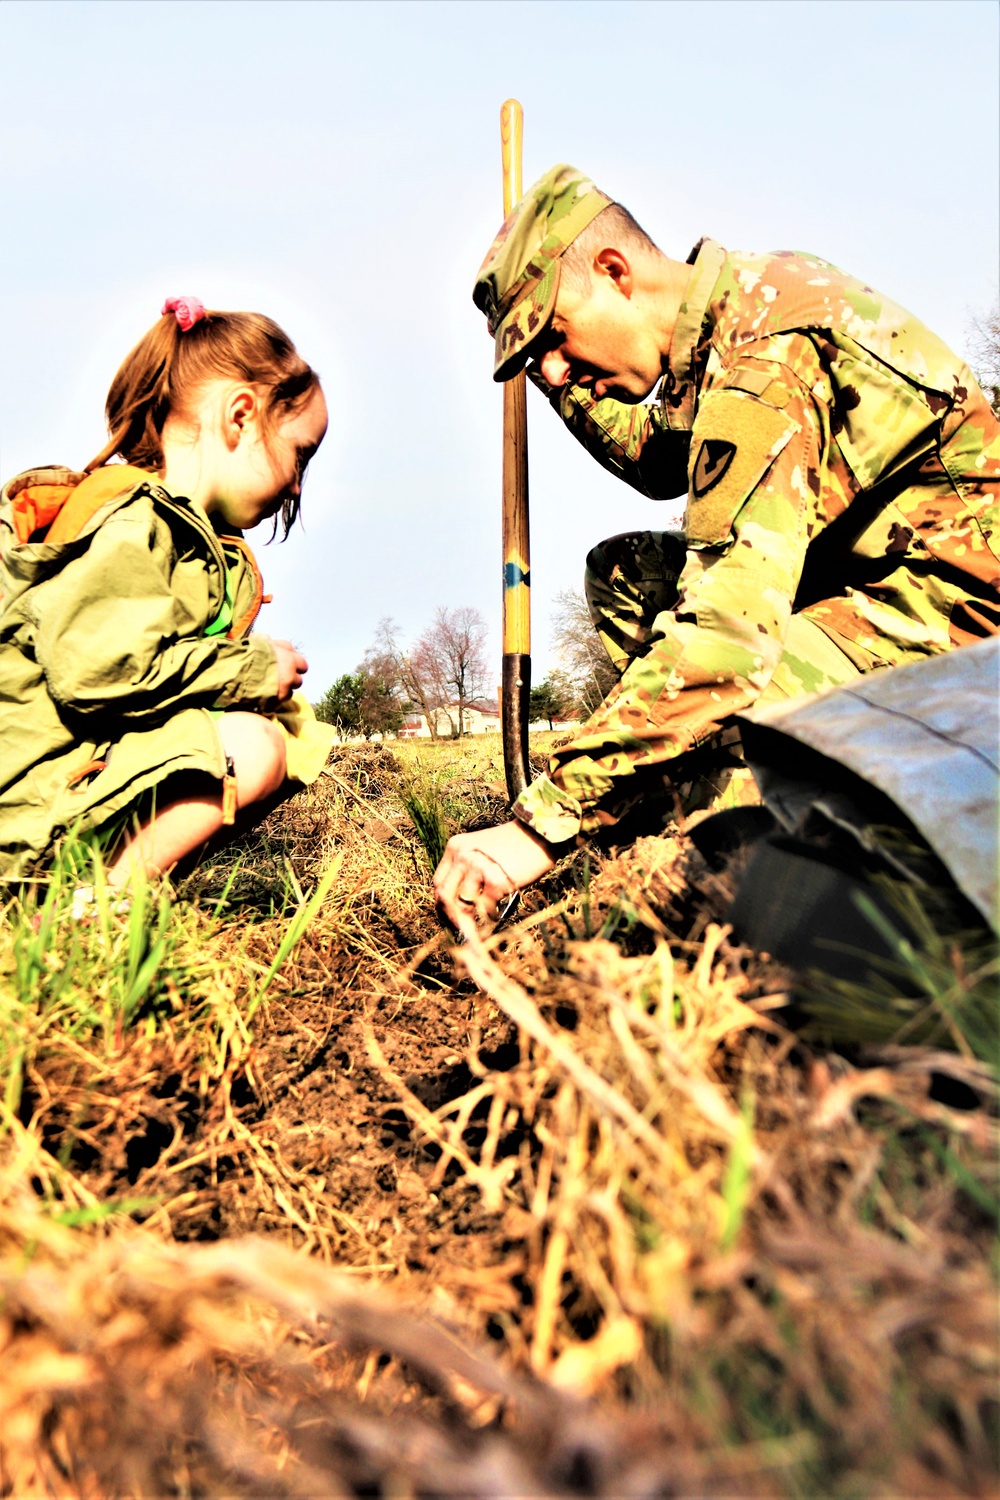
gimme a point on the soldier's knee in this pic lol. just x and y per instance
(638, 557)
(594, 571)
(636, 564)
(614, 557)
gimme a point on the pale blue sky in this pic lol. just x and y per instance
(336, 165)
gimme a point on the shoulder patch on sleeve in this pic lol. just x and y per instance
(734, 442)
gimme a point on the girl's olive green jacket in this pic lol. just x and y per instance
(107, 675)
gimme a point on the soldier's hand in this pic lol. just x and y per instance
(479, 869)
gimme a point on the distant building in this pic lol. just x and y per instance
(476, 720)
(481, 719)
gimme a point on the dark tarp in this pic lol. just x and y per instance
(925, 736)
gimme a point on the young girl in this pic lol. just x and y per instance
(128, 595)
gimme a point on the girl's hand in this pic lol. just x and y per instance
(292, 666)
(479, 869)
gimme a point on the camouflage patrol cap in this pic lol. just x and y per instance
(517, 282)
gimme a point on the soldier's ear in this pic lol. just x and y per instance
(615, 265)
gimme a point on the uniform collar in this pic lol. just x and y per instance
(679, 386)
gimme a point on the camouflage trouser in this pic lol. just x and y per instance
(629, 580)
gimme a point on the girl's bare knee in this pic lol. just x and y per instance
(256, 747)
(272, 762)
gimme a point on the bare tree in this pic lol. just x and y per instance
(984, 353)
(428, 666)
(411, 671)
(453, 651)
(581, 651)
(443, 674)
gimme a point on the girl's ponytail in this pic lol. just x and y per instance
(164, 371)
(139, 400)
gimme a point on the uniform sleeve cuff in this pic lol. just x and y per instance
(549, 811)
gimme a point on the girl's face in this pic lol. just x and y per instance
(259, 466)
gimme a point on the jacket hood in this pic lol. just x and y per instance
(53, 505)
(44, 510)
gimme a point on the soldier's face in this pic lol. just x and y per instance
(602, 339)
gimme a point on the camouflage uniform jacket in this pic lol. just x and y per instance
(840, 462)
(113, 653)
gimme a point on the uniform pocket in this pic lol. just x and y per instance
(735, 440)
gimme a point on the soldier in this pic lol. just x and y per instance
(841, 468)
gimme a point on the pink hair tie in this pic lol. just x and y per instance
(187, 311)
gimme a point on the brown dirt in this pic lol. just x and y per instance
(536, 1143)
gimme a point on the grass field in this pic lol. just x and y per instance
(299, 1197)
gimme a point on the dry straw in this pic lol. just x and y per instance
(706, 1259)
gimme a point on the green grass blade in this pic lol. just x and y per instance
(736, 1178)
(296, 929)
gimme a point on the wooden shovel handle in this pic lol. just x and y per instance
(516, 683)
(511, 136)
